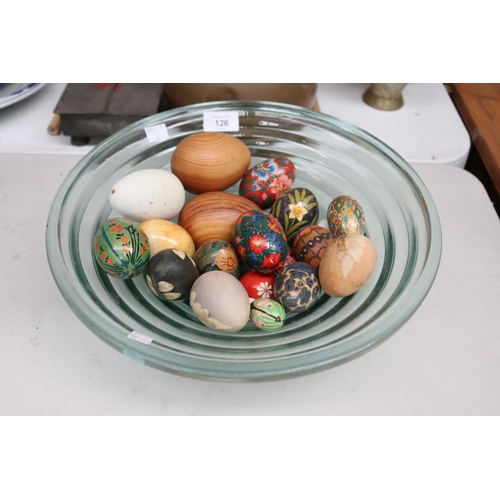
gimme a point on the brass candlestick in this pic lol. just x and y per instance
(385, 96)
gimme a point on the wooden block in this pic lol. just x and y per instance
(479, 107)
(99, 110)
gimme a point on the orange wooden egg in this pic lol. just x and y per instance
(212, 216)
(210, 161)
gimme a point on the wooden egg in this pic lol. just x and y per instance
(267, 314)
(210, 161)
(345, 216)
(347, 265)
(167, 234)
(212, 216)
(258, 285)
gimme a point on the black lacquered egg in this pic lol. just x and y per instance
(296, 287)
(294, 210)
(171, 273)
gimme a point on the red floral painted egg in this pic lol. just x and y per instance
(264, 182)
(260, 241)
(258, 285)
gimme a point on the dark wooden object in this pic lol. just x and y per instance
(479, 107)
(99, 110)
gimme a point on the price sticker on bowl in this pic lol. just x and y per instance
(221, 121)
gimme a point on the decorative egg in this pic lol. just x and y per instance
(258, 285)
(260, 241)
(163, 234)
(345, 216)
(171, 273)
(121, 248)
(220, 302)
(290, 256)
(218, 255)
(310, 244)
(267, 314)
(296, 287)
(211, 216)
(347, 265)
(210, 161)
(264, 182)
(294, 210)
(148, 194)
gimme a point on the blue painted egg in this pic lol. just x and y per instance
(296, 287)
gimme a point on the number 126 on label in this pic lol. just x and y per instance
(221, 121)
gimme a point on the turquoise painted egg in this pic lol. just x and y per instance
(296, 287)
(121, 248)
(260, 241)
(267, 314)
(264, 182)
(218, 255)
(345, 216)
(294, 210)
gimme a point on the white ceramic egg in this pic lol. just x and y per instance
(148, 194)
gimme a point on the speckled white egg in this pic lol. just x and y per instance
(220, 301)
(148, 194)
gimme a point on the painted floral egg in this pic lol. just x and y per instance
(171, 273)
(345, 216)
(220, 302)
(267, 314)
(310, 244)
(121, 248)
(218, 255)
(260, 241)
(294, 210)
(258, 285)
(264, 182)
(296, 287)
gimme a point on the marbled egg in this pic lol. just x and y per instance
(260, 241)
(171, 273)
(163, 234)
(258, 285)
(148, 194)
(296, 287)
(294, 210)
(345, 216)
(267, 314)
(347, 265)
(121, 248)
(218, 255)
(220, 302)
(264, 182)
(310, 244)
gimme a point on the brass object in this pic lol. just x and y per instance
(385, 96)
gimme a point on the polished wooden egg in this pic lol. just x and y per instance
(210, 161)
(212, 216)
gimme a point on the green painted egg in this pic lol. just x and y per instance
(267, 314)
(121, 248)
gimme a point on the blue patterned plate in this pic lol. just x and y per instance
(15, 92)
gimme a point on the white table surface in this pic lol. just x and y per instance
(444, 361)
(426, 130)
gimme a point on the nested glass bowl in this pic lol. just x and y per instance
(332, 158)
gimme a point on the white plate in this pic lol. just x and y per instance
(14, 92)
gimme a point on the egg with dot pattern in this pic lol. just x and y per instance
(310, 244)
(345, 216)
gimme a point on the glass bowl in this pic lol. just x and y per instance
(332, 158)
